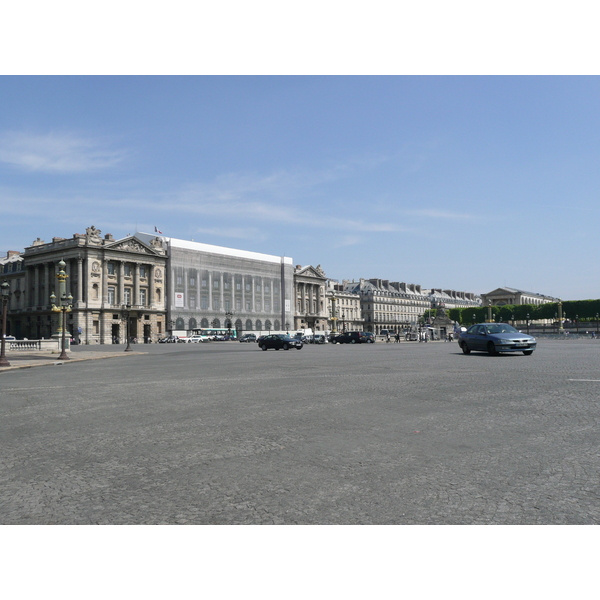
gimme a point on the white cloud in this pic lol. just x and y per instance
(57, 152)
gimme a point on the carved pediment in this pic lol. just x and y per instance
(132, 244)
(311, 272)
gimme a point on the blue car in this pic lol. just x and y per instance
(495, 338)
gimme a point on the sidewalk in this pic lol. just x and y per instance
(26, 360)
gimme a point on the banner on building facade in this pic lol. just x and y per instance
(178, 299)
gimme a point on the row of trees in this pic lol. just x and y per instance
(572, 310)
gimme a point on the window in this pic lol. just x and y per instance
(143, 271)
(192, 300)
(267, 305)
(238, 304)
(248, 305)
(127, 296)
(143, 297)
(216, 304)
(227, 302)
(127, 270)
(110, 268)
(204, 303)
(111, 295)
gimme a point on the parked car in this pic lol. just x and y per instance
(197, 339)
(248, 337)
(279, 340)
(495, 338)
(350, 337)
(171, 339)
(370, 337)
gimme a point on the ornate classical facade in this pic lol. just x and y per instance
(104, 275)
(309, 294)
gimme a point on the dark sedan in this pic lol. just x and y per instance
(279, 340)
(495, 338)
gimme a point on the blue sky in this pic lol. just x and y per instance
(460, 182)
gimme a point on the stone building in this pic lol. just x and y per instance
(217, 287)
(344, 308)
(103, 276)
(505, 295)
(396, 306)
(309, 294)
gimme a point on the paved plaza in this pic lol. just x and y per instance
(223, 433)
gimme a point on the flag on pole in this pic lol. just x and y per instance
(156, 230)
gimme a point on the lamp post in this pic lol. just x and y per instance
(527, 323)
(597, 323)
(287, 327)
(228, 317)
(560, 316)
(126, 312)
(577, 323)
(5, 296)
(343, 322)
(64, 305)
(333, 317)
(474, 318)
(513, 320)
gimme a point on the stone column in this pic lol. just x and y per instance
(36, 285)
(104, 284)
(45, 301)
(151, 288)
(136, 284)
(79, 281)
(120, 299)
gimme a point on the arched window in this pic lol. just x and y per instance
(268, 325)
(258, 324)
(216, 323)
(277, 326)
(204, 323)
(179, 324)
(193, 323)
(238, 325)
(248, 325)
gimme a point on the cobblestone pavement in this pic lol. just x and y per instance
(224, 433)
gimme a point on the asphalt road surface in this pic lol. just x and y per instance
(224, 433)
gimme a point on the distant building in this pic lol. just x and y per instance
(344, 307)
(505, 295)
(397, 306)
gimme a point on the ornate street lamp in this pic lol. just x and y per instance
(287, 327)
(64, 305)
(527, 323)
(126, 311)
(333, 316)
(5, 296)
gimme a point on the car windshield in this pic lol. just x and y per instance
(500, 328)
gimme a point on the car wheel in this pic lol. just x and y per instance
(286, 347)
(298, 347)
(264, 346)
(527, 352)
(334, 341)
(354, 341)
(465, 348)
(491, 348)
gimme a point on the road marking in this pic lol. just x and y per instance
(583, 379)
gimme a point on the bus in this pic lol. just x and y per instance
(215, 333)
